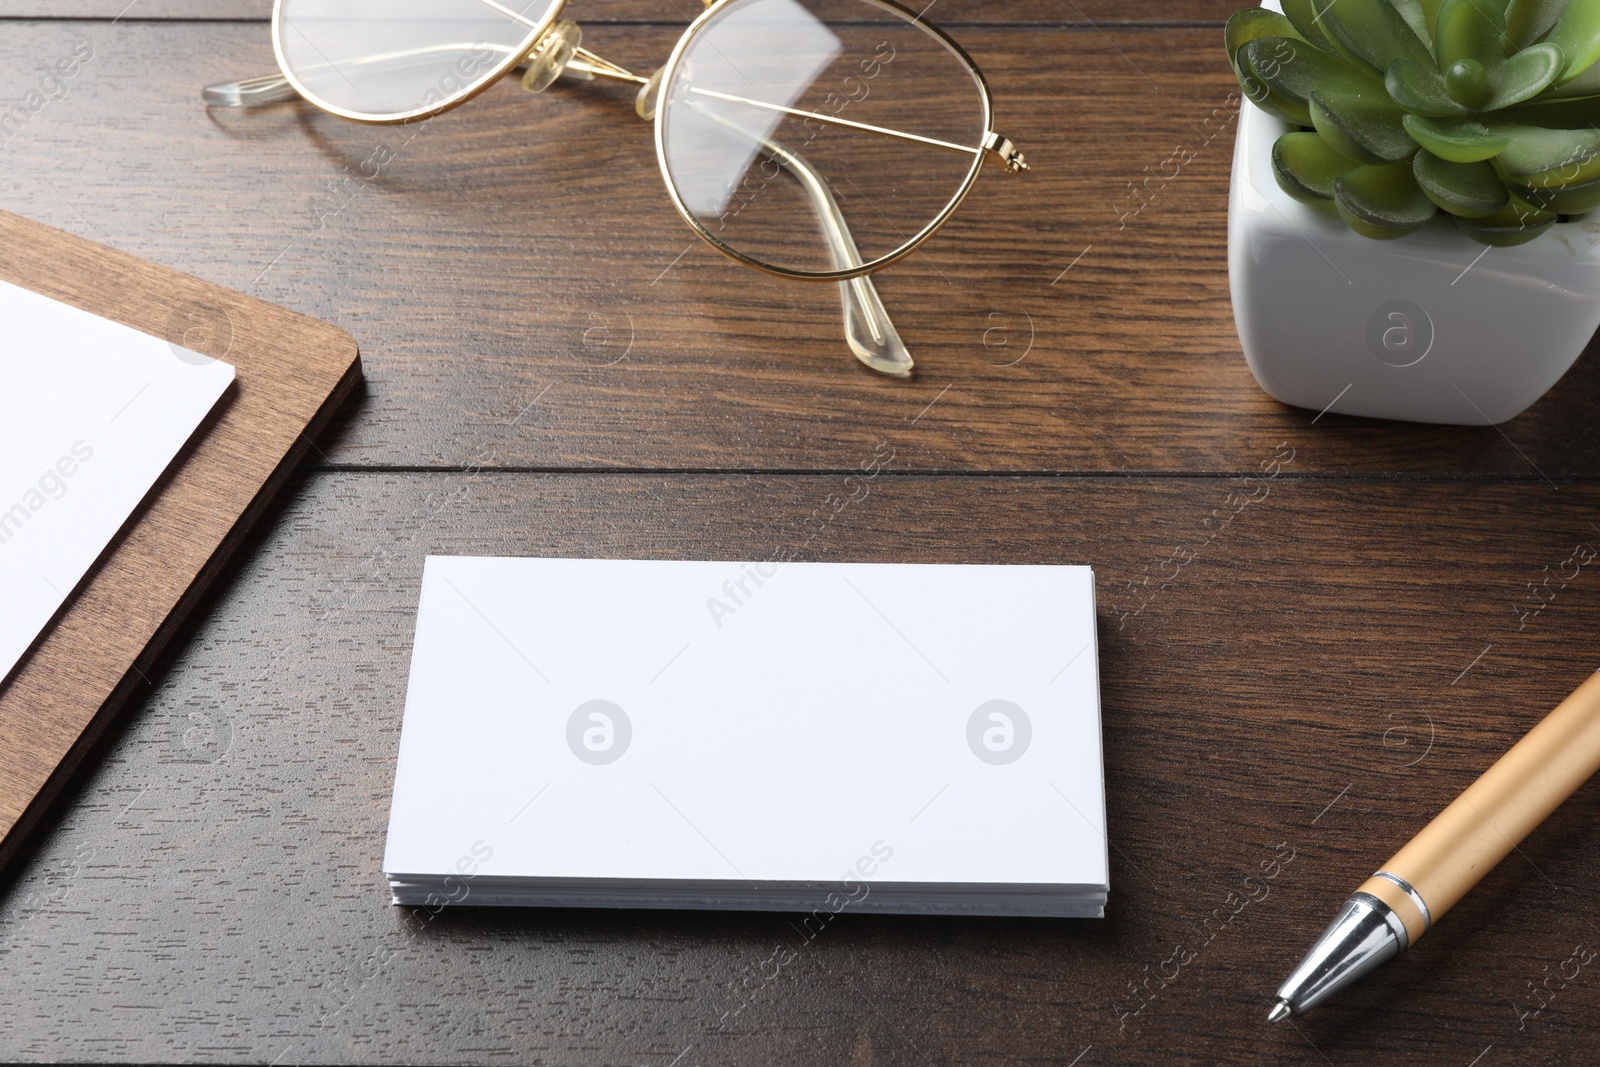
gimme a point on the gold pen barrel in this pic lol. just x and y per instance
(1480, 827)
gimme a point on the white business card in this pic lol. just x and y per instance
(91, 414)
(753, 724)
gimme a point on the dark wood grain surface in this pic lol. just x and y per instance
(1314, 673)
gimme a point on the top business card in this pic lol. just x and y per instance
(752, 734)
(92, 413)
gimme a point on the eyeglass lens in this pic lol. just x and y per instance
(737, 154)
(394, 58)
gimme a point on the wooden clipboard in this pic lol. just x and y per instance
(293, 373)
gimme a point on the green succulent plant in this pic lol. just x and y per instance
(1486, 110)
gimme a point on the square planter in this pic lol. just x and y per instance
(1431, 327)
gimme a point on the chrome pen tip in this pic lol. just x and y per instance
(1280, 1011)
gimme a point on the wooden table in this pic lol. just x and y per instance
(1309, 675)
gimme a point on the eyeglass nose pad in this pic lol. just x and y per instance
(550, 56)
(649, 97)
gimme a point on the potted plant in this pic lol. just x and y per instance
(1408, 235)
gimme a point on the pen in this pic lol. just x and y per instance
(1435, 869)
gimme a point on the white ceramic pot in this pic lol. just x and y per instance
(1431, 327)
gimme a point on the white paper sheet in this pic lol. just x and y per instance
(778, 723)
(91, 414)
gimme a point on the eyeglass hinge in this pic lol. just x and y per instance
(1005, 152)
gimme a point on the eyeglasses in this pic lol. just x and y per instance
(815, 139)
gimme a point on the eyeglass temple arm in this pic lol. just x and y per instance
(1002, 148)
(868, 329)
(276, 89)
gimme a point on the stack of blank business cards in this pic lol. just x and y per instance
(760, 735)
